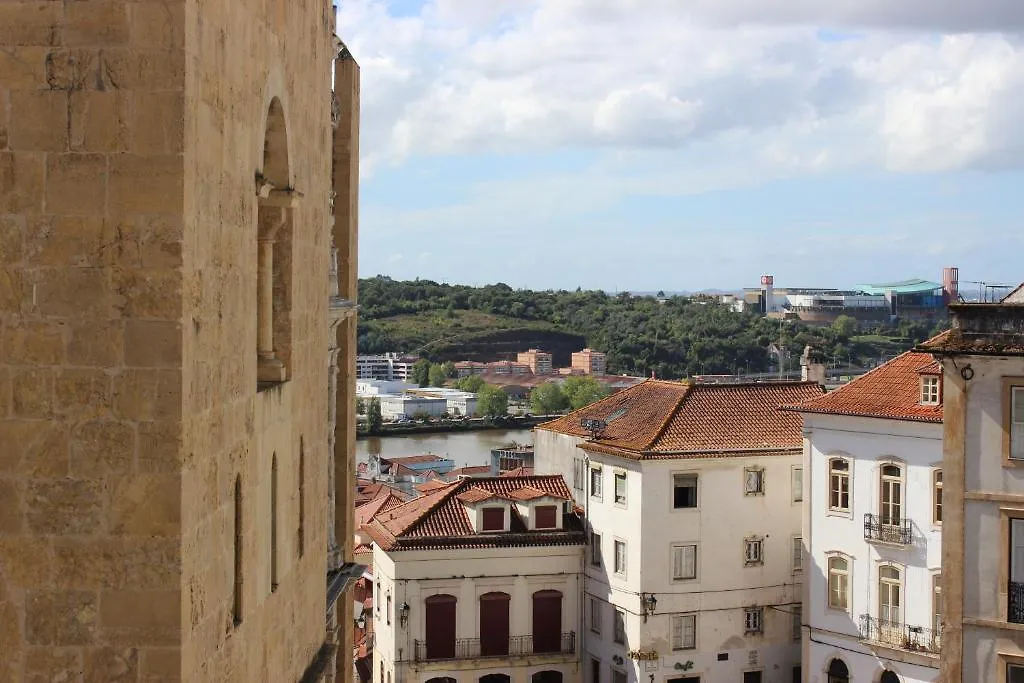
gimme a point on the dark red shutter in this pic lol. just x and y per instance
(494, 519)
(547, 621)
(547, 516)
(494, 624)
(440, 626)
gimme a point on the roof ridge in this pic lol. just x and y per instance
(845, 388)
(443, 494)
(669, 416)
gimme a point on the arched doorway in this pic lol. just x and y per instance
(440, 623)
(547, 621)
(496, 678)
(494, 634)
(547, 677)
(837, 672)
(441, 679)
(889, 677)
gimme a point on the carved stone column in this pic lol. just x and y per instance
(269, 368)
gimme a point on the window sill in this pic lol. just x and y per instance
(753, 493)
(833, 512)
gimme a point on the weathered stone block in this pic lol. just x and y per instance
(72, 292)
(152, 343)
(160, 665)
(92, 563)
(145, 241)
(32, 393)
(122, 621)
(34, 448)
(159, 446)
(98, 121)
(65, 506)
(158, 25)
(30, 22)
(139, 69)
(146, 184)
(146, 504)
(75, 70)
(47, 664)
(23, 67)
(147, 293)
(12, 516)
(147, 395)
(12, 295)
(153, 563)
(12, 238)
(102, 447)
(60, 617)
(39, 121)
(97, 343)
(21, 182)
(76, 184)
(98, 22)
(83, 394)
(65, 241)
(26, 561)
(34, 343)
(158, 123)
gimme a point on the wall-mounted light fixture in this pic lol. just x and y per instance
(403, 613)
(649, 603)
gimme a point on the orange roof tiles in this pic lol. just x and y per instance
(439, 518)
(470, 470)
(529, 493)
(432, 485)
(518, 472)
(891, 391)
(660, 419)
(415, 459)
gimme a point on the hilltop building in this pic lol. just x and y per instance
(478, 580)
(872, 526)
(169, 193)
(982, 359)
(538, 361)
(692, 502)
(589, 362)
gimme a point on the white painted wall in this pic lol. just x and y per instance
(867, 443)
(392, 407)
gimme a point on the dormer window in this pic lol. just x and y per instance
(546, 516)
(929, 390)
(493, 519)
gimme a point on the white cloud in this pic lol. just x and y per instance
(914, 89)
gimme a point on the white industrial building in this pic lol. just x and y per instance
(873, 513)
(479, 580)
(377, 387)
(387, 366)
(692, 494)
(458, 402)
(408, 406)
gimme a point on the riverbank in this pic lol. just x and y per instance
(444, 426)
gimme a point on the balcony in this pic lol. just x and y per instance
(900, 636)
(469, 648)
(894, 531)
(1015, 600)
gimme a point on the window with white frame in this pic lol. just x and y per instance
(797, 614)
(798, 484)
(595, 615)
(596, 490)
(620, 557)
(753, 550)
(937, 603)
(684, 631)
(838, 582)
(937, 496)
(929, 390)
(579, 473)
(890, 602)
(684, 562)
(1016, 427)
(620, 488)
(798, 553)
(839, 484)
(619, 627)
(595, 549)
(890, 499)
(684, 491)
(753, 620)
(753, 481)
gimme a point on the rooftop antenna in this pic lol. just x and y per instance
(595, 426)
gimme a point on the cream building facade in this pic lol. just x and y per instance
(167, 172)
(982, 358)
(692, 500)
(873, 510)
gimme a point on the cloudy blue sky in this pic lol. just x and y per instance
(690, 144)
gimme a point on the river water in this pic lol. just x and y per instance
(465, 448)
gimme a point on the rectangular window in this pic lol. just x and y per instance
(929, 390)
(838, 582)
(797, 674)
(798, 554)
(595, 549)
(684, 491)
(387, 614)
(684, 632)
(595, 483)
(619, 627)
(937, 497)
(1017, 423)
(937, 604)
(547, 516)
(684, 562)
(620, 488)
(595, 615)
(751, 677)
(1015, 608)
(620, 557)
(753, 620)
(1014, 673)
(619, 676)
(839, 484)
(595, 671)
(798, 484)
(753, 479)
(797, 615)
(494, 519)
(753, 551)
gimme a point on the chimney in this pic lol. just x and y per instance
(812, 369)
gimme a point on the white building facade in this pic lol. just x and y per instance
(479, 582)
(691, 574)
(873, 527)
(407, 406)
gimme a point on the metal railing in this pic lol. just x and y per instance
(902, 636)
(1015, 603)
(473, 648)
(898, 531)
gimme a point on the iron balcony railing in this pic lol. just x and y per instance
(1015, 608)
(877, 528)
(474, 648)
(902, 636)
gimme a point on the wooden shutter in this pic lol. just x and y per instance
(547, 516)
(440, 626)
(494, 633)
(494, 519)
(547, 621)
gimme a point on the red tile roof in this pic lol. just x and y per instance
(891, 391)
(415, 459)
(528, 493)
(367, 490)
(660, 419)
(431, 485)
(518, 472)
(382, 503)
(438, 519)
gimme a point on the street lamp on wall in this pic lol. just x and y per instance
(403, 613)
(649, 604)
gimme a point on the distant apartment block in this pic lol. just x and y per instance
(590, 362)
(388, 366)
(538, 361)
